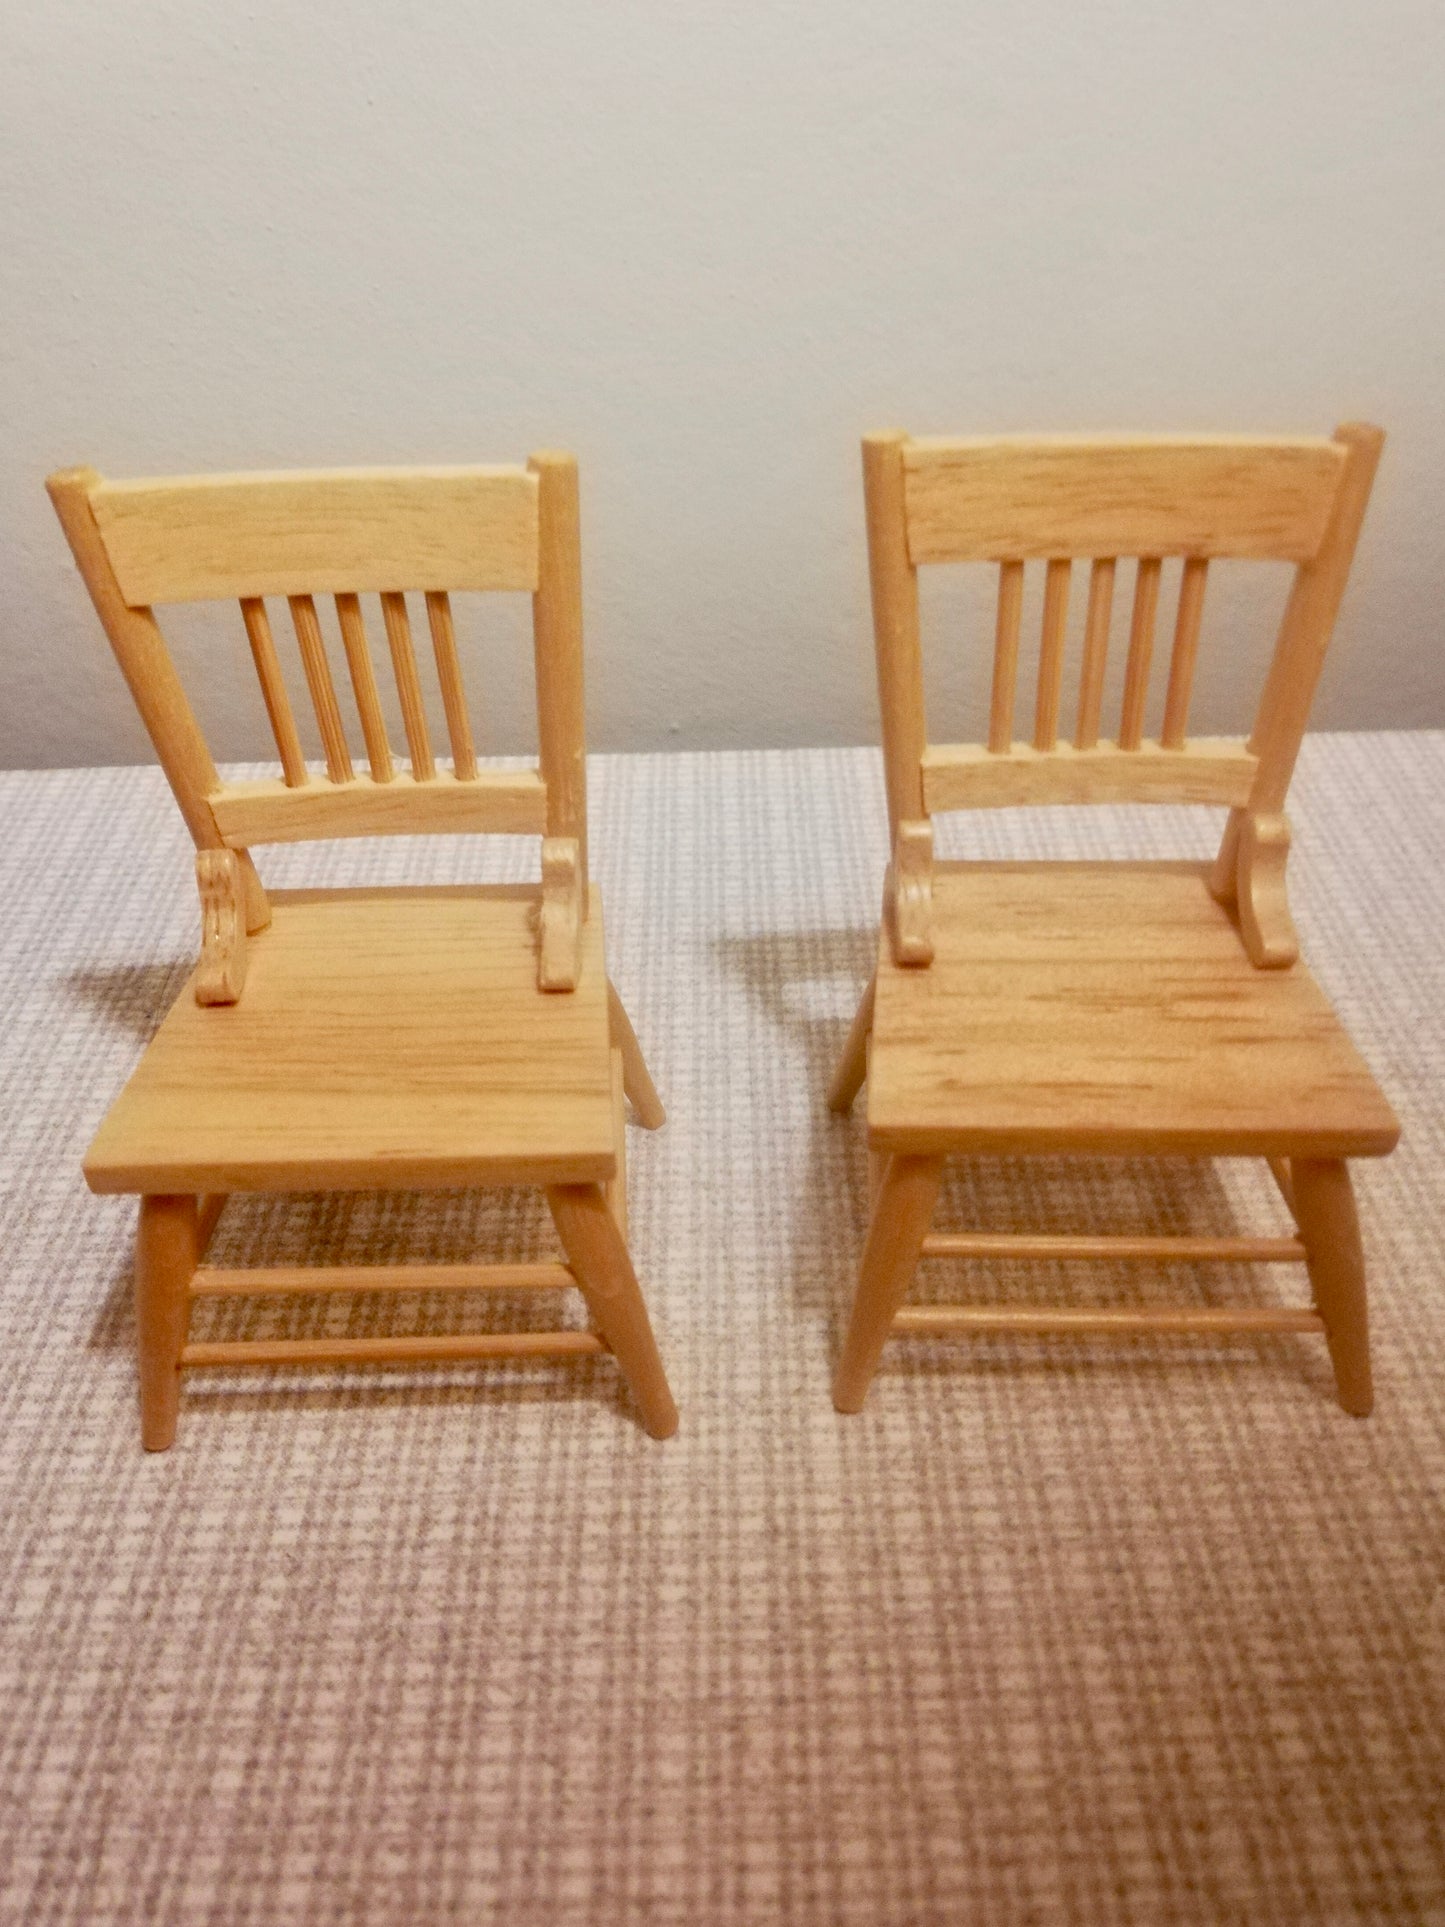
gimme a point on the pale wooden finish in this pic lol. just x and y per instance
(195, 538)
(1107, 1009)
(507, 800)
(363, 685)
(1185, 652)
(323, 691)
(273, 691)
(985, 501)
(166, 1254)
(408, 685)
(1051, 653)
(636, 1079)
(1096, 653)
(908, 894)
(1005, 656)
(287, 1281)
(958, 776)
(598, 1255)
(449, 676)
(221, 973)
(617, 1189)
(557, 627)
(1325, 1206)
(560, 953)
(208, 1216)
(1141, 651)
(438, 1349)
(1239, 1321)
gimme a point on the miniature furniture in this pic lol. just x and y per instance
(1051, 1009)
(378, 1038)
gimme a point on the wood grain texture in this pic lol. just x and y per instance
(511, 801)
(387, 1039)
(1141, 653)
(350, 531)
(221, 973)
(449, 676)
(908, 894)
(987, 500)
(1101, 1007)
(408, 685)
(363, 686)
(961, 776)
(557, 648)
(322, 689)
(1096, 653)
(273, 691)
(1051, 654)
(167, 1250)
(897, 654)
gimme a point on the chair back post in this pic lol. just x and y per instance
(557, 641)
(893, 581)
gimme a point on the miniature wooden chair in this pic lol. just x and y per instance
(379, 1038)
(1096, 1008)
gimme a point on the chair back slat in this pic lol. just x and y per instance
(273, 691)
(1006, 655)
(323, 691)
(1185, 651)
(1141, 653)
(408, 684)
(1051, 653)
(1096, 652)
(363, 687)
(449, 675)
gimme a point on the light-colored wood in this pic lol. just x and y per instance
(1141, 651)
(449, 676)
(1279, 1171)
(273, 692)
(1324, 1204)
(323, 691)
(441, 1348)
(617, 1189)
(985, 501)
(557, 639)
(942, 1321)
(201, 537)
(1261, 897)
(1108, 1008)
(1051, 653)
(902, 1212)
(1096, 652)
(1004, 689)
(599, 1258)
(363, 685)
(288, 1281)
(508, 800)
(1167, 1250)
(908, 894)
(894, 588)
(165, 1256)
(1185, 651)
(853, 1064)
(962, 776)
(636, 1078)
(559, 953)
(388, 1039)
(208, 1216)
(221, 973)
(408, 685)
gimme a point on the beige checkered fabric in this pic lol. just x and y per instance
(1118, 1632)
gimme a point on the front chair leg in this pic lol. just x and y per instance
(853, 1064)
(603, 1270)
(166, 1255)
(1324, 1205)
(902, 1213)
(641, 1091)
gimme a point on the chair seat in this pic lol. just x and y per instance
(1108, 1008)
(384, 1038)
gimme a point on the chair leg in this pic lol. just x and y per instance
(603, 1269)
(853, 1065)
(902, 1213)
(617, 1189)
(167, 1248)
(1324, 1205)
(641, 1091)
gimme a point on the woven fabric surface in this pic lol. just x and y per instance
(1106, 1631)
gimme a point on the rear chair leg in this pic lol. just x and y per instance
(902, 1213)
(641, 1091)
(166, 1255)
(853, 1065)
(600, 1262)
(1324, 1205)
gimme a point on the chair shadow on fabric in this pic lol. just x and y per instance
(130, 997)
(806, 984)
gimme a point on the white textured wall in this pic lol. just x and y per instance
(706, 247)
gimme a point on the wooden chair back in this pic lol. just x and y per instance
(1013, 502)
(347, 533)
